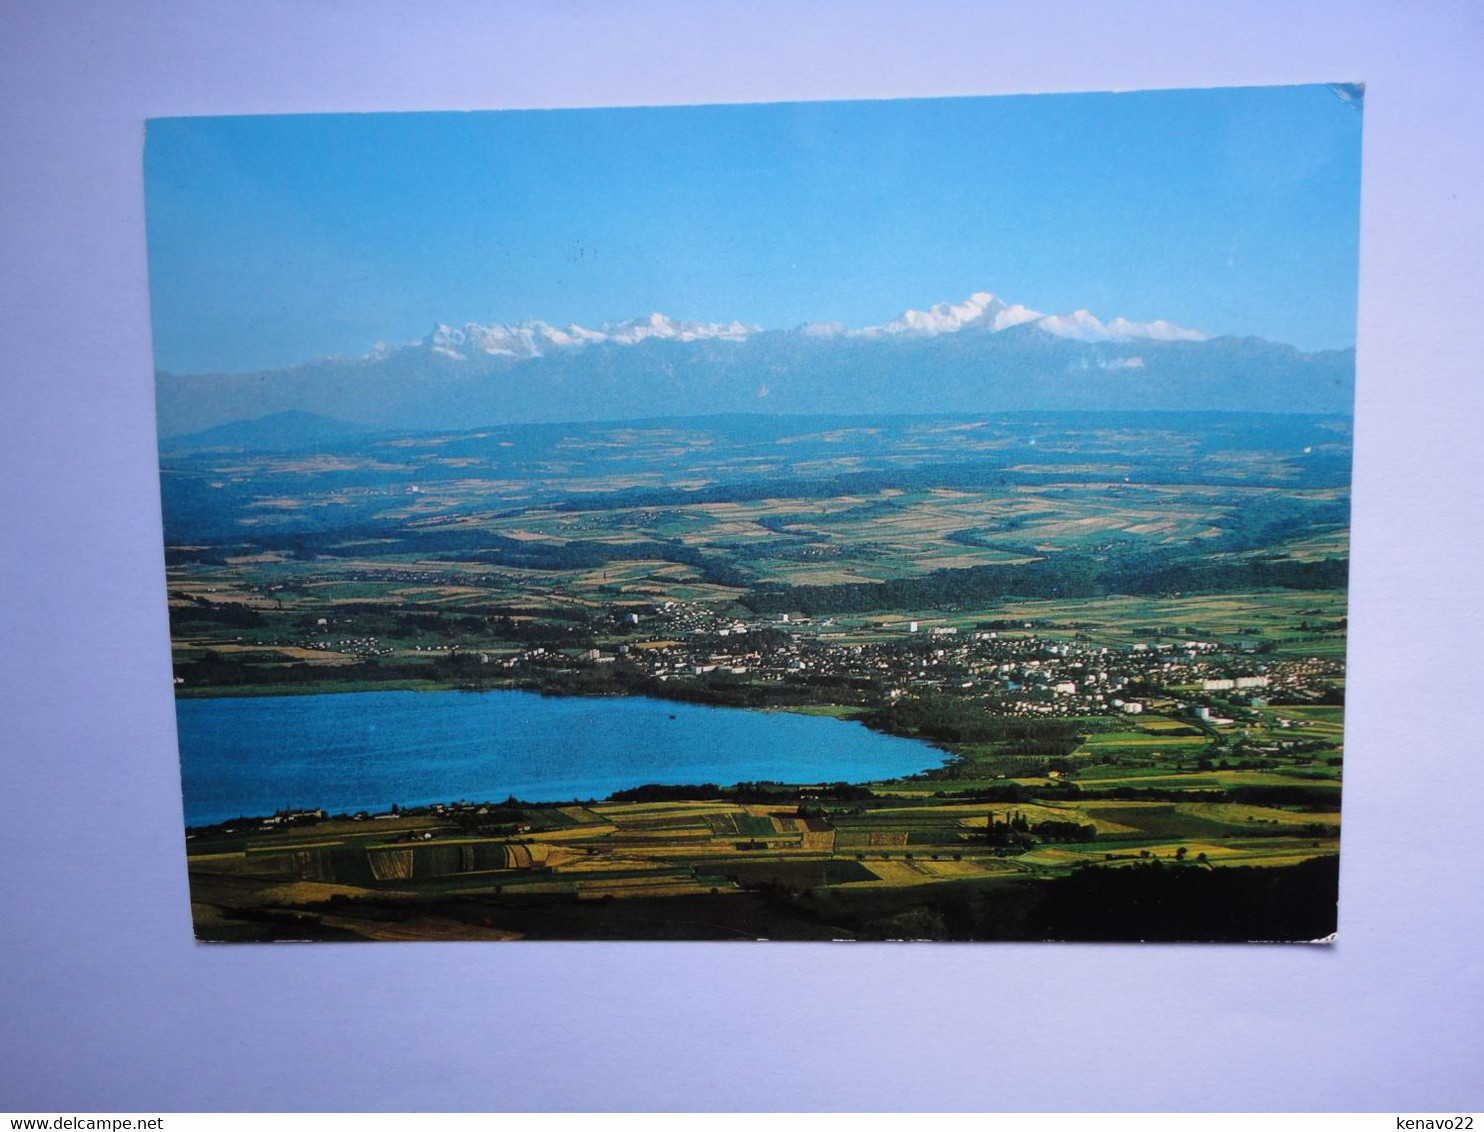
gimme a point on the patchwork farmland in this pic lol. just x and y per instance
(1123, 634)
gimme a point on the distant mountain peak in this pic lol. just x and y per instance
(664, 327)
(985, 312)
(534, 338)
(980, 310)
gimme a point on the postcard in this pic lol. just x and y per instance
(898, 520)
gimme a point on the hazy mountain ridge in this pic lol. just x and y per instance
(284, 431)
(979, 355)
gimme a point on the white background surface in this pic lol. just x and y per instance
(109, 1005)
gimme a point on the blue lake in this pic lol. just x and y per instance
(368, 750)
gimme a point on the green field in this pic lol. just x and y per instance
(370, 884)
(1067, 623)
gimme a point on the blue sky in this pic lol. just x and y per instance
(274, 240)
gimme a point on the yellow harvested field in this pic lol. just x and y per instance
(347, 826)
(973, 810)
(582, 865)
(638, 887)
(312, 656)
(540, 855)
(610, 811)
(303, 892)
(1275, 860)
(520, 534)
(1105, 825)
(1237, 812)
(869, 839)
(1130, 739)
(1033, 813)
(920, 871)
(815, 576)
(759, 811)
(417, 928)
(286, 847)
(1157, 723)
(1051, 856)
(209, 858)
(391, 864)
(665, 836)
(582, 833)
(721, 847)
(218, 596)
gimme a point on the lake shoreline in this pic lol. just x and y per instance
(201, 749)
(862, 713)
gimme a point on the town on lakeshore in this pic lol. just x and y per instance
(1120, 681)
(801, 612)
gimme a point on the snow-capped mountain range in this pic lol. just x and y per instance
(532, 339)
(981, 311)
(986, 312)
(980, 354)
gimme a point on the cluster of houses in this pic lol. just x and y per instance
(1024, 673)
(350, 646)
(1014, 666)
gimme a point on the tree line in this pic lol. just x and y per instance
(1067, 575)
